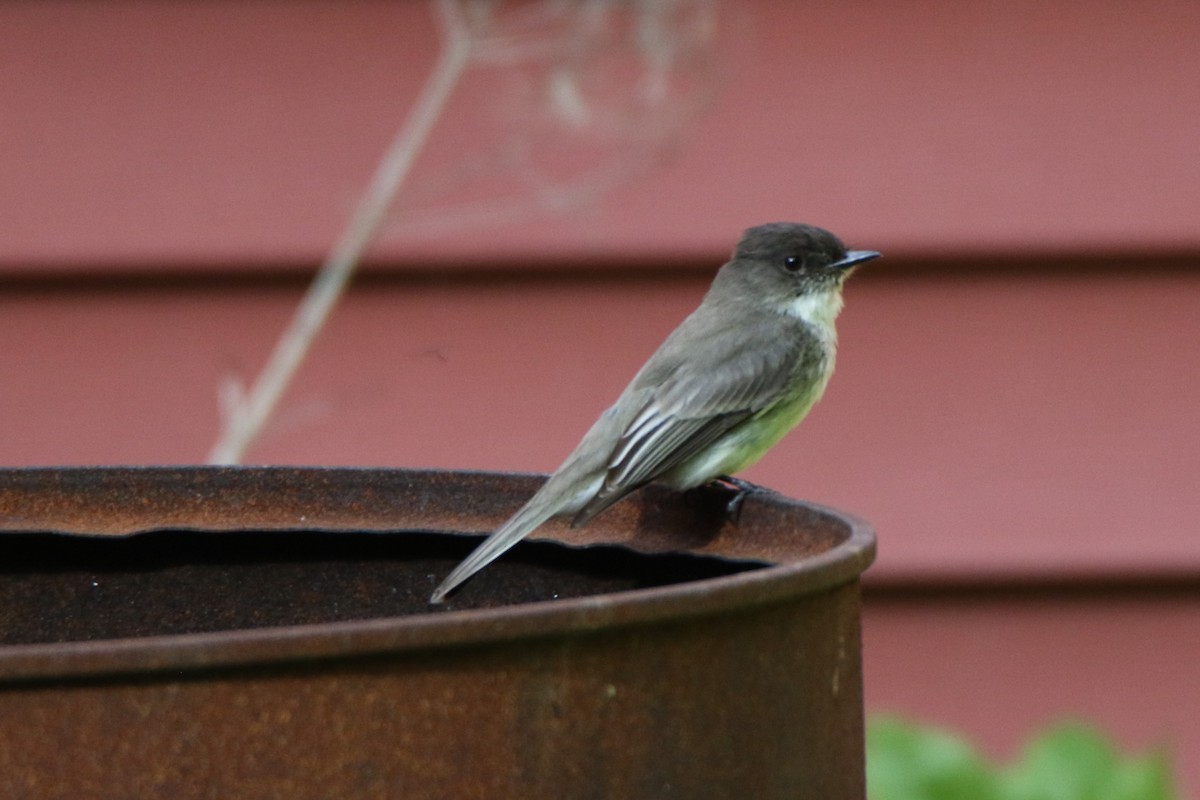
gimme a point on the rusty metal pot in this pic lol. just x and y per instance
(238, 632)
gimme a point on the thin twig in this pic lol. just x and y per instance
(245, 419)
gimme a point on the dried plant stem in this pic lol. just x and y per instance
(247, 415)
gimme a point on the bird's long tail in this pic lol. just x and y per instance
(518, 526)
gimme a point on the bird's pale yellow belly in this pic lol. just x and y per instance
(750, 441)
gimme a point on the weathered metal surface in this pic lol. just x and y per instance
(260, 638)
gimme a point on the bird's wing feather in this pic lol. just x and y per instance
(670, 442)
(686, 413)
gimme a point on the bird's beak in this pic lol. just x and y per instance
(854, 258)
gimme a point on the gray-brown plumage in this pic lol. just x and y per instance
(729, 382)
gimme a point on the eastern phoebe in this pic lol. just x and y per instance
(741, 371)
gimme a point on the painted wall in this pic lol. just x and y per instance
(1014, 407)
(159, 135)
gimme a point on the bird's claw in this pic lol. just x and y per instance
(740, 489)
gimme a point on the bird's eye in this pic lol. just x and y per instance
(793, 263)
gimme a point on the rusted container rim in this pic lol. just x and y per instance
(60, 500)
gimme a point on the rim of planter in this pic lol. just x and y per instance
(807, 548)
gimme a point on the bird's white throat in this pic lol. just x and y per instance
(819, 309)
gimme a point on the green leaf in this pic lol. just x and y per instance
(908, 762)
(1068, 762)
(1075, 762)
(1146, 778)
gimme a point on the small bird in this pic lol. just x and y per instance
(736, 375)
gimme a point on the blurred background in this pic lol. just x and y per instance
(1015, 408)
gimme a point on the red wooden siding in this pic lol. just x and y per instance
(1015, 406)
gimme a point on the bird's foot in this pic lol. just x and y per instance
(739, 489)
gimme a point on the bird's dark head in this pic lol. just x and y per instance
(804, 257)
(788, 268)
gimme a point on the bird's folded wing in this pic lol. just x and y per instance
(684, 415)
